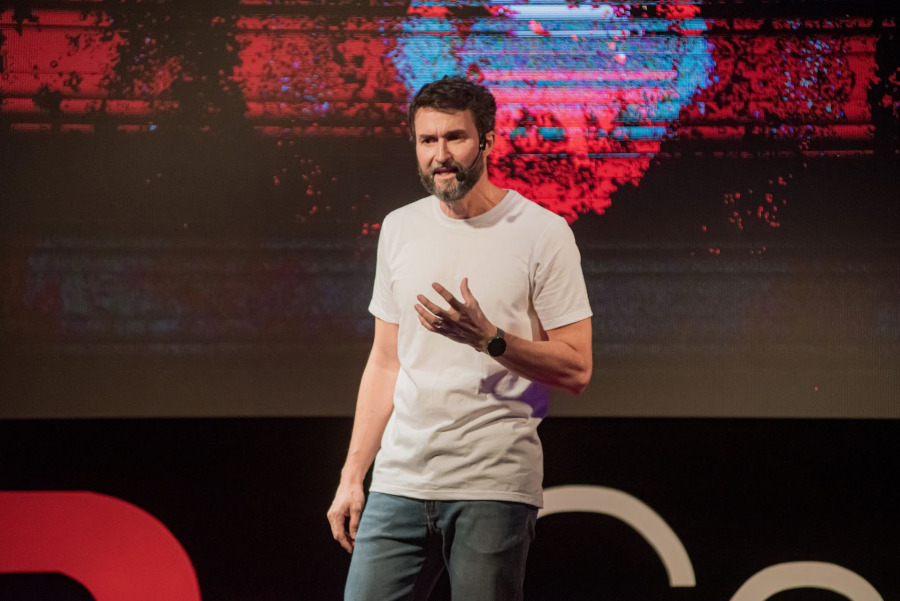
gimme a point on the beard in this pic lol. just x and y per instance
(454, 189)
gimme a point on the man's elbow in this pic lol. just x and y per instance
(579, 381)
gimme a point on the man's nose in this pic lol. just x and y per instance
(442, 152)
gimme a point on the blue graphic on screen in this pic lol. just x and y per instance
(564, 59)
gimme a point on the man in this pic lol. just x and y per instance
(457, 382)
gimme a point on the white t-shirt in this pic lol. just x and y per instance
(463, 426)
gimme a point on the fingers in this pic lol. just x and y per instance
(355, 514)
(466, 293)
(437, 319)
(437, 313)
(346, 505)
(434, 310)
(431, 322)
(447, 296)
(336, 520)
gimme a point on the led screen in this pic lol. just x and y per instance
(192, 192)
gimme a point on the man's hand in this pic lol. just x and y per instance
(463, 322)
(348, 503)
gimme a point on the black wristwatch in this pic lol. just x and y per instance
(496, 346)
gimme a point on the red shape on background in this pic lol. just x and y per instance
(116, 550)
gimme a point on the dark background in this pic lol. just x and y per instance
(247, 499)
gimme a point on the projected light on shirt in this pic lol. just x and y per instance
(585, 92)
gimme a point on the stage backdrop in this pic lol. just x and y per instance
(190, 197)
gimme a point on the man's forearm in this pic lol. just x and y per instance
(373, 409)
(374, 405)
(563, 361)
(552, 363)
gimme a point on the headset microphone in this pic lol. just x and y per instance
(463, 173)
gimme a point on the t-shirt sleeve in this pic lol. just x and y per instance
(560, 295)
(382, 304)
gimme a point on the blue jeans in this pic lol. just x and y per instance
(403, 545)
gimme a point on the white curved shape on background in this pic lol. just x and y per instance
(806, 574)
(632, 511)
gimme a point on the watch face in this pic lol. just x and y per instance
(496, 347)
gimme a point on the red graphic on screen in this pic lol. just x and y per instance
(304, 99)
(117, 551)
(794, 87)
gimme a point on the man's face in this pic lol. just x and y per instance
(447, 144)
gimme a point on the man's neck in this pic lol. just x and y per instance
(482, 198)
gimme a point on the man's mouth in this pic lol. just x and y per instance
(444, 171)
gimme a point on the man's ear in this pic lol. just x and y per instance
(488, 142)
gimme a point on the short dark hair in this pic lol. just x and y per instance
(456, 93)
